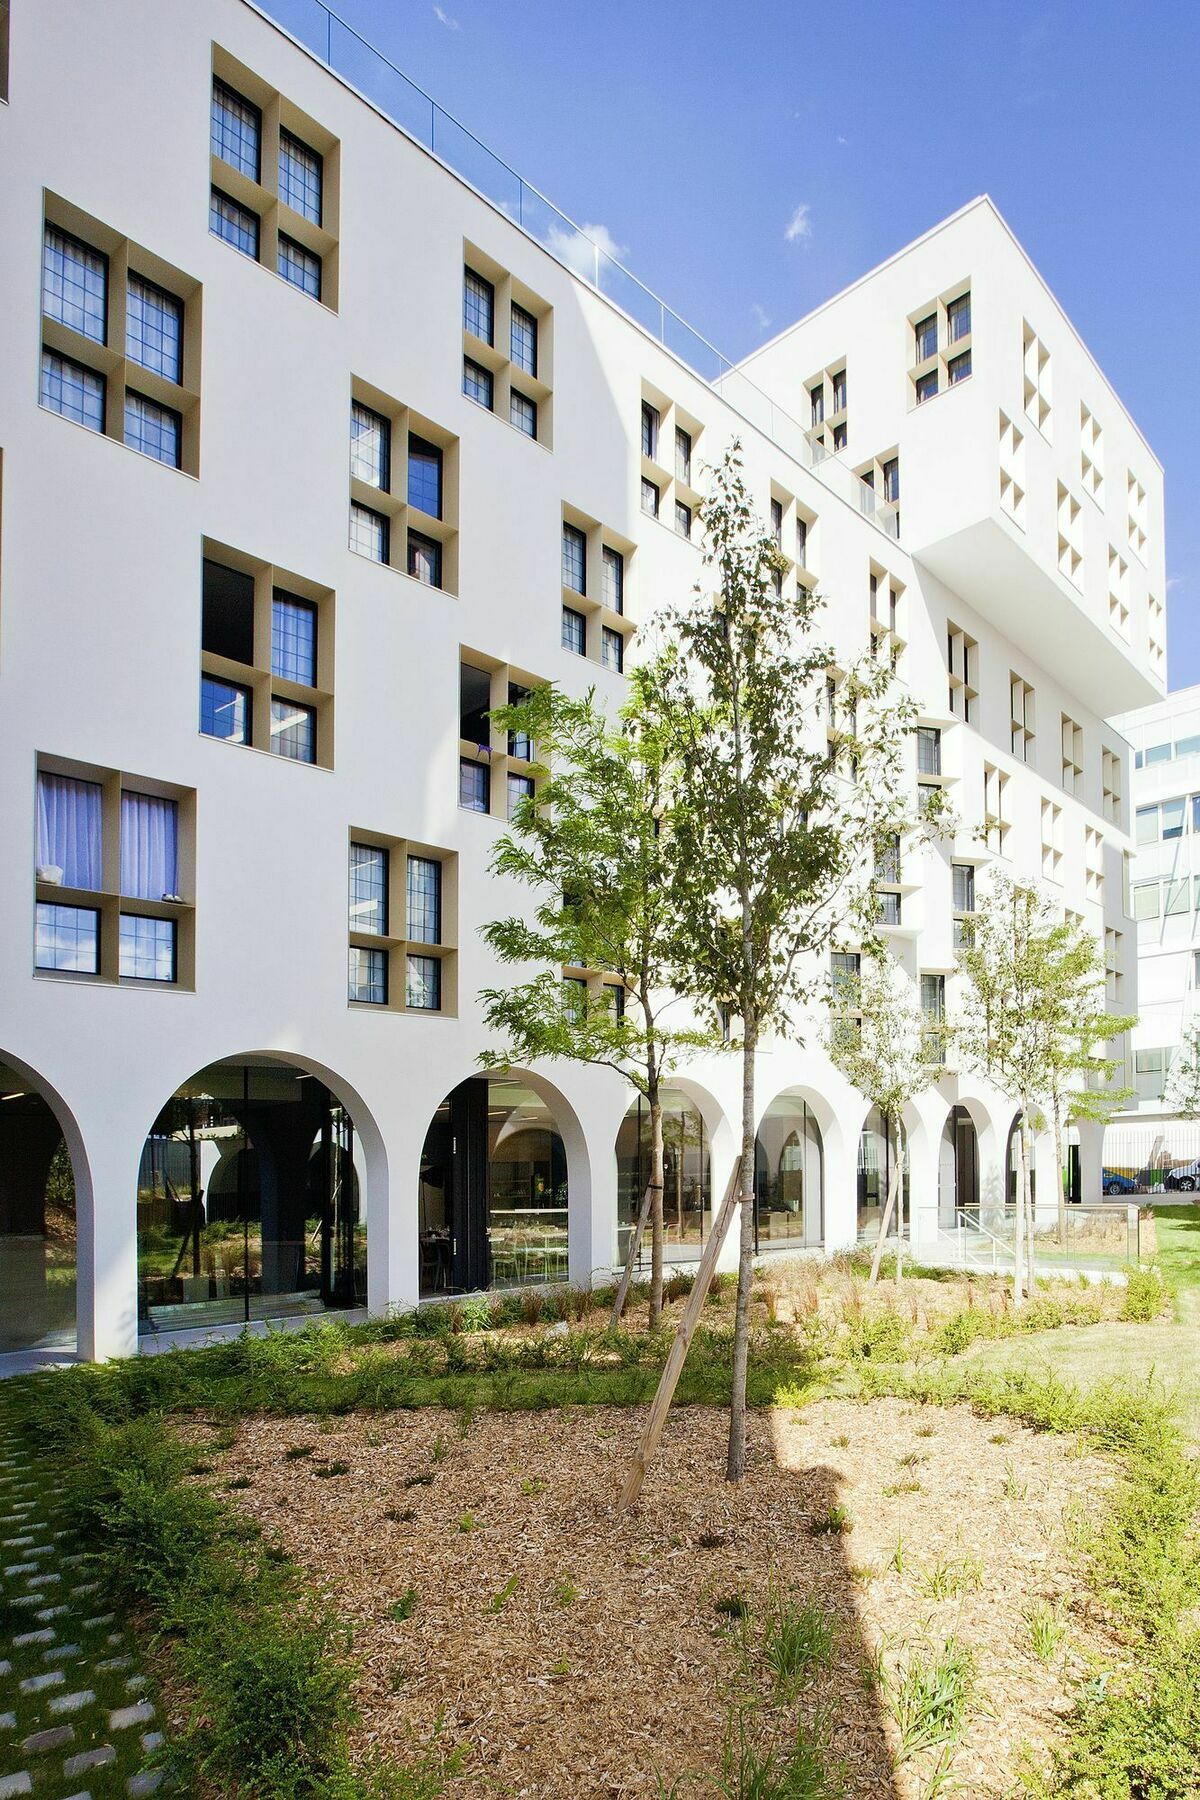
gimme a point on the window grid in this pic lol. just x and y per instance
(370, 447)
(294, 640)
(612, 649)
(650, 498)
(425, 559)
(154, 330)
(67, 938)
(683, 519)
(425, 477)
(369, 532)
(524, 340)
(423, 984)
(574, 559)
(574, 631)
(73, 391)
(613, 580)
(224, 710)
(479, 306)
(477, 383)
(368, 972)
(474, 786)
(235, 224)
(522, 412)
(147, 948)
(299, 266)
(300, 177)
(236, 130)
(75, 285)
(156, 431)
(369, 889)
(424, 900)
(520, 787)
(293, 730)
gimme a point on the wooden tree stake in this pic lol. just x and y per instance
(635, 1244)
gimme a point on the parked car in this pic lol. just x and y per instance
(1113, 1182)
(1186, 1177)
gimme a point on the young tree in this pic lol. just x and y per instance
(885, 1052)
(1033, 1016)
(597, 844)
(780, 813)
(1182, 1092)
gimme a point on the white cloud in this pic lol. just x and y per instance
(760, 317)
(842, 140)
(799, 226)
(443, 18)
(575, 247)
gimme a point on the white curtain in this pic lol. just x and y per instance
(68, 829)
(149, 847)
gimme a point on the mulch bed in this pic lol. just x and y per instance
(606, 1662)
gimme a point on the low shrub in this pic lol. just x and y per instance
(1146, 1296)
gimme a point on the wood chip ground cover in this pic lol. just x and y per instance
(491, 1585)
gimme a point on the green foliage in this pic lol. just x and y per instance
(1046, 1631)
(1146, 1296)
(928, 1692)
(797, 1641)
(404, 1607)
(833, 1523)
(883, 1336)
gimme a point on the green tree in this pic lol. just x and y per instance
(1182, 1091)
(1033, 1022)
(791, 776)
(880, 1039)
(598, 845)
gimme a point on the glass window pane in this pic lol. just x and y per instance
(522, 413)
(368, 972)
(925, 332)
(294, 639)
(299, 266)
(1146, 900)
(1178, 898)
(425, 559)
(927, 386)
(370, 447)
(300, 171)
(650, 498)
(224, 710)
(424, 898)
(683, 519)
(1172, 818)
(149, 847)
(75, 392)
(147, 948)
(154, 329)
(369, 889)
(1158, 753)
(67, 937)
(524, 340)
(423, 984)
(153, 429)
(474, 786)
(425, 477)
(649, 430)
(614, 580)
(612, 649)
(477, 383)
(520, 787)
(683, 454)
(293, 730)
(959, 367)
(574, 631)
(75, 284)
(234, 223)
(69, 830)
(1146, 823)
(369, 532)
(958, 317)
(574, 559)
(478, 306)
(236, 130)
(964, 887)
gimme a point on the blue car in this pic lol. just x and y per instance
(1115, 1183)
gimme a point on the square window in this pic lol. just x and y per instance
(424, 900)
(958, 368)
(474, 786)
(425, 477)
(369, 889)
(926, 387)
(224, 710)
(614, 580)
(574, 631)
(236, 130)
(520, 787)
(70, 389)
(612, 649)
(369, 532)
(368, 976)
(293, 730)
(683, 519)
(650, 498)
(524, 340)
(237, 225)
(370, 447)
(299, 266)
(154, 329)
(68, 937)
(574, 559)
(75, 285)
(522, 412)
(293, 639)
(477, 383)
(155, 430)
(479, 307)
(147, 948)
(300, 173)
(925, 334)
(423, 984)
(425, 559)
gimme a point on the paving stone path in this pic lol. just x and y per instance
(78, 1719)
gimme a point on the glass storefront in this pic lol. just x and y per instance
(249, 1203)
(958, 1166)
(874, 1174)
(37, 1222)
(687, 1188)
(788, 1177)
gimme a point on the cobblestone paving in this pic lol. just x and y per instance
(78, 1719)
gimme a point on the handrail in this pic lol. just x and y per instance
(365, 68)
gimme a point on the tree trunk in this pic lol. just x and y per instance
(735, 1466)
(1058, 1159)
(898, 1178)
(1019, 1223)
(1027, 1158)
(656, 1204)
(887, 1210)
(631, 1256)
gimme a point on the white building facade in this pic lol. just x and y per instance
(315, 449)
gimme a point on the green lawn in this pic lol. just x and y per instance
(1165, 1355)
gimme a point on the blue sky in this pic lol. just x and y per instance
(694, 133)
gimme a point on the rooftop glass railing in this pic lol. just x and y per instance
(408, 106)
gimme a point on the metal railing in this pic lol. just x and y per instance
(349, 55)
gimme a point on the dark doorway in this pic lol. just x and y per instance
(37, 1222)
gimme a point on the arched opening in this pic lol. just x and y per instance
(875, 1155)
(1012, 1166)
(687, 1181)
(492, 1200)
(250, 1204)
(789, 1177)
(958, 1165)
(37, 1221)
